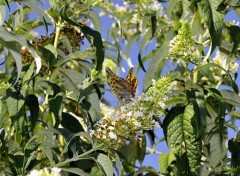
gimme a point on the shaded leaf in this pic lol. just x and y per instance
(153, 23)
(235, 36)
(141, 149)
(33, 105)
(29, 154)
(140, 62)
(213, 19)
(71, 123)
(200, 110)
(55, 103)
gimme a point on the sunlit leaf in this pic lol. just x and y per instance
(75, 170)
(165, 160)
(182, 136)
(105, 164)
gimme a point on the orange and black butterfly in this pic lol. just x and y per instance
(124, 89)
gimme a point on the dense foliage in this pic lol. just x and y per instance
(55, 119)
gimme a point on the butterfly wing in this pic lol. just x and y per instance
(120, 87)
(132, 80)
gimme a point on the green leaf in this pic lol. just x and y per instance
(13, 43)
(213, 19)
(235, 114)
(105, 163)
(208, 73)
(140, 62)
(33, 105)
(81, 55)
(2, 14)
(158, 62)
(75, 170)
(90, 102)
(170, 7)
(153, 23)
(231, 97)
(235, 36)
(49, 54)
(145, 21)
(28, 74)
(165, 160)
(216, 139)
(36, 8)
(197, 27)
(15, 103)
(17, 57)
(141, 150)
(147, 169)
(234, 147)
(145, 40)
(200, 110)
(181, 134)
(95, 19)
(217, 102)
(48, 153)
(72, 77)
(17, 162)
(72, 123)
(55, 103)
(93, 37)
(29, 154)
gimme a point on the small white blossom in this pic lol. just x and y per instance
(149, 98)
(137, 124)
(112, 135)
(45, 172)
(138, 114)
(111, 128)
(129, 113)
(161, 104)
(55, 171)
(113, 123)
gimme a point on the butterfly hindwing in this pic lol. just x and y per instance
(123, 89)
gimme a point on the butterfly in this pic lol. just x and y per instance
(124, 89)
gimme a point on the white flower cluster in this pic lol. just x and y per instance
(235, 23)
(227, 62)
(127, 122)
(46, 172)
(154, 6)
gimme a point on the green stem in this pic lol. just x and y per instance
(78, 157)
(58, 29)
(195, 75)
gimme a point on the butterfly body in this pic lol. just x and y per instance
(124, 89)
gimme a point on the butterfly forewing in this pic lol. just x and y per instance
(123, 89)
(132, 80)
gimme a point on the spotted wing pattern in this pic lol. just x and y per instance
(132, 80)
(123, 89)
